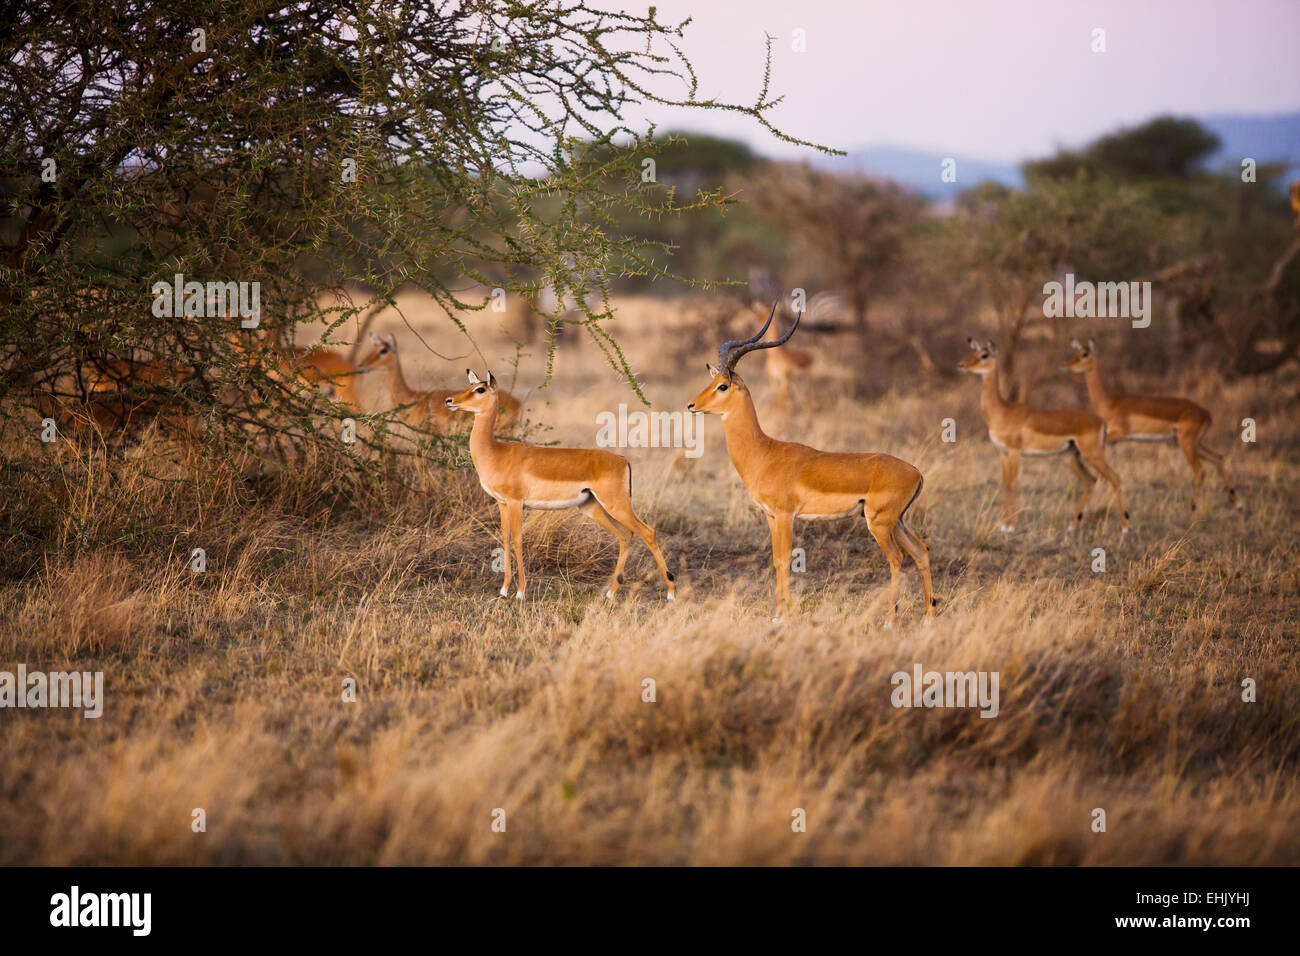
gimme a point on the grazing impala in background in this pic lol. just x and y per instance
(788, 480)
(329, 371)
(598, 483)
(428, 409)
(1021, 430)
(783, 365)
(321, 367)
(1137, 418)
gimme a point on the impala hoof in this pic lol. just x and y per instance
(672, 595)
(519, 595)
(609, 595)
(1125, 530)
(505, 592)
(778, 619)
(1007, 528)
(1071, 527)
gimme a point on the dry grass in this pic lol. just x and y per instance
(1118, 690)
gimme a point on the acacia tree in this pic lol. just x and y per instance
(302, 146)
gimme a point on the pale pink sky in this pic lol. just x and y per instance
(995, 79)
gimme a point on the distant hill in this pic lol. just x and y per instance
(919, 170)
(1267, 139)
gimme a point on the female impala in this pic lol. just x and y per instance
(789, 480)
(321, 367)
(1021, 430)
(428, 409)
(328, 371)
(1135, 418)
(597, 483)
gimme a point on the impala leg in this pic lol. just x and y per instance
(1010, 471)
(1087, 478)
(1095, 457)
(620, 509)
(505, 546)
(782, 529)
(882, 530)
(596, 513)
(920, 554)
(1189, 440)
(515, 512)
(1215, 459)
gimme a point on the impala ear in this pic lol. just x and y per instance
(993, 349)
(473, 379)
(376, 340)
(1074, 344)
(492, 381)
(392, 341)
(974, 346)
(712, 371)
(1092, 345)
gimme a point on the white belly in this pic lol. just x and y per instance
(1031, 451)
(1152, 436)
(855, 510)
(559, 504)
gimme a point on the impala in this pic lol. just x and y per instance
(1137, 418)
(1021, 430)
(597, 483)
(428, 408)
(788, 480)
(114, 375)
(321, 367)
(329, 371)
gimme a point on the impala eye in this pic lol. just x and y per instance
(984, 355)
(480, 390)
(1083, 354)
(722, 388)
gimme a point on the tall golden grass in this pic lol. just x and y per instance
(1119, 690)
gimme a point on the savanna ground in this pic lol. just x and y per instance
(1119, 690)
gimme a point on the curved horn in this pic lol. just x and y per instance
(735, 354)
(724, 350)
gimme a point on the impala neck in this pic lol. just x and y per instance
(398, 390)
(1096, 391)
(991, 400)
(747, 443)
(482, 436)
